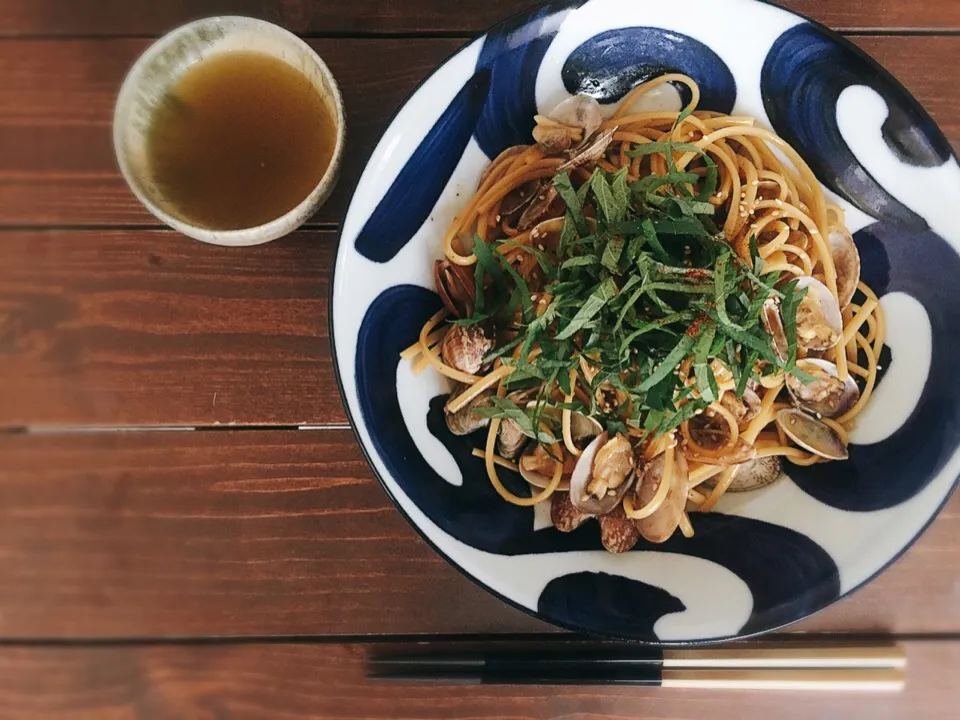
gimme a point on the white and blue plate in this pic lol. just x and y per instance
(764, 558)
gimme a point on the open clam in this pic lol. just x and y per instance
(744, 408)
(546, 235)
(583, 429)
(536, 464)
(569, 125)
(580, 111)
(603, 474)
(827, 395)
(519, 198)
(709, 437)
(543, 204)
(819, 323)
(456, 286)
(537, 467)
(661, 524)
(811, 434)
(846, 259)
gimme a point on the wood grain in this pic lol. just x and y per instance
(57, 164)
(285, 682)
(150, 328)
(56, 103)
(123, 17)
(256, 533)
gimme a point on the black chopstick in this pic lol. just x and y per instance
(755, 655)
(863, 679)
(759, 666)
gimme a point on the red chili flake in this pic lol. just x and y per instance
(697, 274)
(694, 328)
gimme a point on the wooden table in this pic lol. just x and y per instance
(174, 543)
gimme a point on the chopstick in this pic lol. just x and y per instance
(756, 667)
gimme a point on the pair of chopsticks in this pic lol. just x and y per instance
(774, 666)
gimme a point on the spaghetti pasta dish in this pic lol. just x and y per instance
(646, 311)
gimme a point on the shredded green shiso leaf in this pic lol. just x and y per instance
(652, 284)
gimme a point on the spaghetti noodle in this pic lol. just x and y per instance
(650, 310)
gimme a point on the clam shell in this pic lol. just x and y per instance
(556, 137)
(819, 323)
(846, 258)
(510, 152)
(591, 152)
(741, 452)
(510, 439)
(519, 198)
(564, 516)
(757, 473)
(538, 479)
(811, 434)
(583, 473)
(464, 347)
(545, 195)
(827, 395)
(582, 426)
(661, 525)
(464, 422)
(774, 325)
(581, 111)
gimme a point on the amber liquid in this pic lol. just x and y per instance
(241, 139)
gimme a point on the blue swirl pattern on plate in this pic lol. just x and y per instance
(597, 602)
(788, 574)
(803, 76)
(417, 187)
(780, 570)
(513, 51)
(497, 105)
(887, 473)
(609, 65)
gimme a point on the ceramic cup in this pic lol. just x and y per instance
(162, 65)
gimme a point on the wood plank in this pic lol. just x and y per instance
(56, 103)
(328, 681)
(240, 533)
(57, 164)
(149, 328)
(120, 17)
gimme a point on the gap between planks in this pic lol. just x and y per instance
(432, 34)
(560, 636)
(96, 429)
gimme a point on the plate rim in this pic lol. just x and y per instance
(835, 36)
